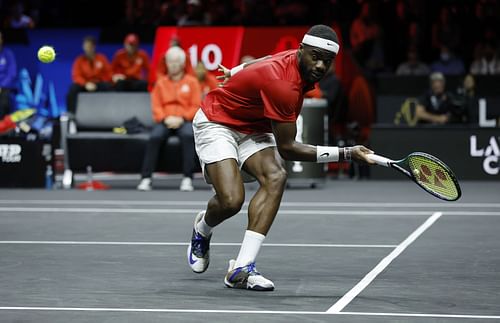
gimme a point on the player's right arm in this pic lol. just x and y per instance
(290, 149)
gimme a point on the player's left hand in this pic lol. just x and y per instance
(226, 75)
(359, 152)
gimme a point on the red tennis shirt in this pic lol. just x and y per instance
(271, 89)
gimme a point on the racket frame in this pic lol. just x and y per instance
(386, 162)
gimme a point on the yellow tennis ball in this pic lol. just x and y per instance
(46, 54)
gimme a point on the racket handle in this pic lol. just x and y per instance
(379, 160)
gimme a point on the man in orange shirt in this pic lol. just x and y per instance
(91, 72)
(174, 100)
(161, 67)
(130, 66)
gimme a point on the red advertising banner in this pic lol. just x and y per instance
(259, 42)
(212, 45)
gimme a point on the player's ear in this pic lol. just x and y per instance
(300, 50)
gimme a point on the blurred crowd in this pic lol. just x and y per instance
(386, 36)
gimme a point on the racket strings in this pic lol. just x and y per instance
(433, 176)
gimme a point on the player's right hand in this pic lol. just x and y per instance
(359, 152)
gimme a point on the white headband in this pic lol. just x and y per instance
(327, 44)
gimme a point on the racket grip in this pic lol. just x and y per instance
(379, 160)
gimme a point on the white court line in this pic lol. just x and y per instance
(363, 283)
(243, 211)
(195, 211)
(171, 310)
(283, 204)
(138, 243)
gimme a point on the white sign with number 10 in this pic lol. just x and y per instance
(211, 56)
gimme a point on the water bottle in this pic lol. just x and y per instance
(49, 182)
(90, 181)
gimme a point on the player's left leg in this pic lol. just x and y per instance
(269, 172)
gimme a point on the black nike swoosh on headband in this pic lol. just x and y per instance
(324, 154)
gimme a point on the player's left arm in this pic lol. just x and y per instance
(227, 73)
(290, 149)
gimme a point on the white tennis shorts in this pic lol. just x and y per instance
(215, 142)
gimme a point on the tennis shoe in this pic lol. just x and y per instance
(198, 252)
(247, 277)
(145, 185)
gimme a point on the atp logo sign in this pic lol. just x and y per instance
(491, 154)
(10, 153)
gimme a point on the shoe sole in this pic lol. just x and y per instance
(256, 288)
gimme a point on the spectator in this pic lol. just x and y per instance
(207, 80)
(194, 15)
(395, 17)
(448, 63)
(17, 18)
(331, 90)
(8, 71)
(435, 106)
(366, 40)
(162, 69)
(488, 62)
(466, 97)
(413, 66)
(445, 31)
(174, 100)
(130, 66)
(91, 72)
(166, 14)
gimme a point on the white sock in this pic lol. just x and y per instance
(249, 248)
(203, 228)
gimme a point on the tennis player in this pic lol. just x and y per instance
(239, 131)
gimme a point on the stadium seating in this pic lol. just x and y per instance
(94, 143)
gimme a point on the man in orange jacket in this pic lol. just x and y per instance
(130, 66)
(91, 72)
(174, 100)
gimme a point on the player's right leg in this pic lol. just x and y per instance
(216, 148)
(226, 202)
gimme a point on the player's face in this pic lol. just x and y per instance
(314, 63)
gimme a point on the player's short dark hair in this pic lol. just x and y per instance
(323, 31)
(90, 39)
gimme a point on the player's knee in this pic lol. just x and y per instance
(231, 203)
(275, 180)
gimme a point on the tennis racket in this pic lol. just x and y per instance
(427, 171)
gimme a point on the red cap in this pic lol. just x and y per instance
(131, 39)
